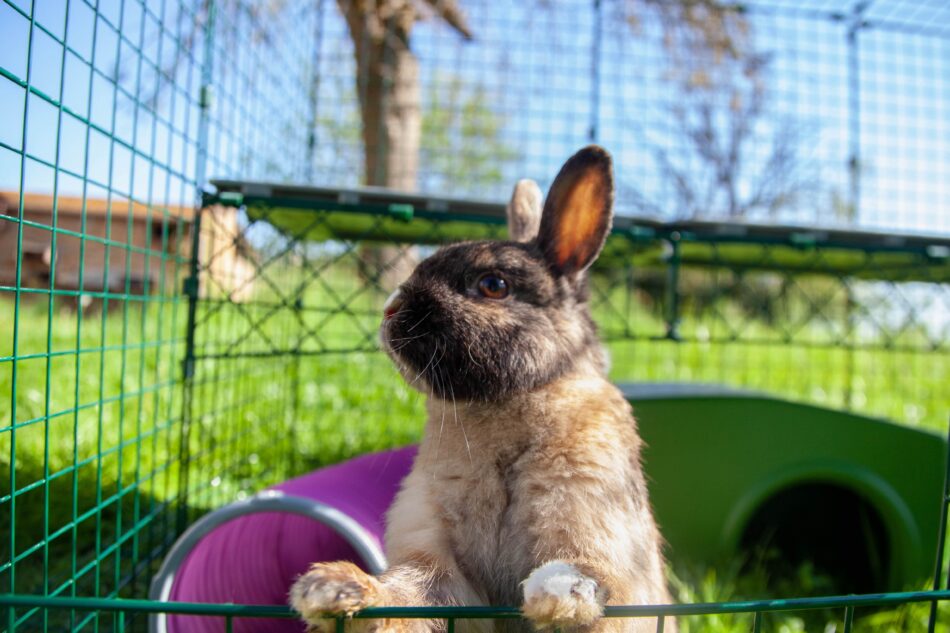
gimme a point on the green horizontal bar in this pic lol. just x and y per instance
(373, 347)
(153, 388)
(79, 117)
(145, 606)
(65, 170)
(114, 546)
(271, 611)
(103, 554)
(131, 347)
(118, 212)
(402, 212)
(96, 457)
(690, 232)
(98, 294)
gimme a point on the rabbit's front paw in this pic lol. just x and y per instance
(332, 589)
(557, 595)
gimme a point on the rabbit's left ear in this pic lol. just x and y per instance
(524, 211)
(578, 211)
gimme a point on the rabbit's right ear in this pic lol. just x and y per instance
(578, 212)
(524, 211)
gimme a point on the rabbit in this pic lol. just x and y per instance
(527, 489)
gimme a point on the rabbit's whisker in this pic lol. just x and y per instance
(419, 322)
(405, 341)
(472, 358)
(431, 358)
(407, 338)
(400, 346)
(442, 423)
(460, 423)
(436, 460)
(437, 387)
(436, 375)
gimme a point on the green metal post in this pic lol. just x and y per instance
(295, 386)
(191, 286)
(315, 93)
(941, 540)
(672, 288)
(17, 296)
(848, 618)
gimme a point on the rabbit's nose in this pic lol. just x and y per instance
(393, 304)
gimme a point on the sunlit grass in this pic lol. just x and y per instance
(105, 424)
(733, 581)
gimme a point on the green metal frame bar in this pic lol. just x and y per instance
(836, 253)
(378, 201)
(191, 283)
(265, 611)
(941, 540)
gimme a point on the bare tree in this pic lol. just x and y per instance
(724, 151)
(728, 158)
(727, 154)
(387, 81)
(710, 30)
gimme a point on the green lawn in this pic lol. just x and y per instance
(98, 453)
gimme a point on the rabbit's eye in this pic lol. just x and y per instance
(492, 287)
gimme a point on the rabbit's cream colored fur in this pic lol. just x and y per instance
(536, 499)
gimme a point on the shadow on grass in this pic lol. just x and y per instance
(78, 533)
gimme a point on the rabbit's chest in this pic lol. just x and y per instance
(484, 516)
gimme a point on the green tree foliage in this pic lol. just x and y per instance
(463, 140)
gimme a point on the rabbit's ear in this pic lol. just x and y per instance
(524, 211)
(578, 211)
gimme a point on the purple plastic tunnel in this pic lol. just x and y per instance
(254, 557)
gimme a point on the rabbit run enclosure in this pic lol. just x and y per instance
(181, 329)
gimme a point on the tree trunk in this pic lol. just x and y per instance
(387, 84)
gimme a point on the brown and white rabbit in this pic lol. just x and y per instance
(527, 488)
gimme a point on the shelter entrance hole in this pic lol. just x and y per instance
(831, 528)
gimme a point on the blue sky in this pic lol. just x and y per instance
(549, 70)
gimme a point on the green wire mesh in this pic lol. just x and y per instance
(120, 613)
(157, 361)
(106, 136)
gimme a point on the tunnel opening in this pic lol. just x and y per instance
(830, 530)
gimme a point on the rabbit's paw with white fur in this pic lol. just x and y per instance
(557, 595)
(332, 589)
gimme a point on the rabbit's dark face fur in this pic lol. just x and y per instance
(448, 338)
(453, 339)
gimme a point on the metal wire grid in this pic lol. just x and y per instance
(172, 92)
(109, 122)
(854, 109)
(268, 49)
(821, 337)
(749, 615)
(848, 327)
(99, 391)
